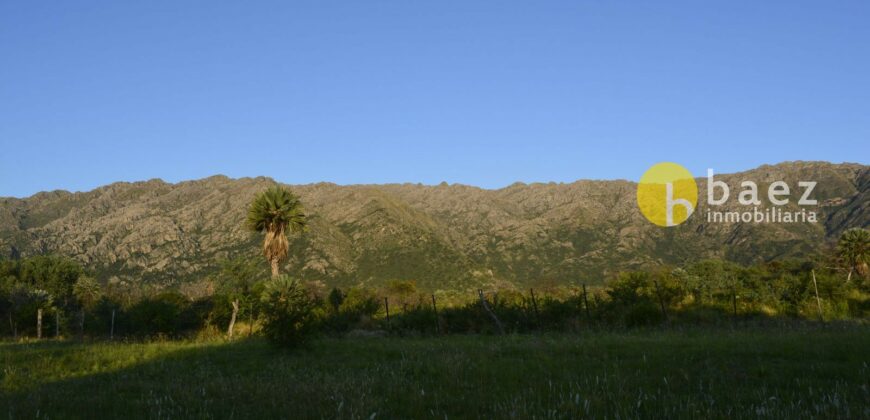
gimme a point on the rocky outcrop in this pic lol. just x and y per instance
(444, 236)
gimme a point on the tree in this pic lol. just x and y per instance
(54, 274)
(42, 300)
(87, 292)
(638, 297)
(854, 250)
(336, 298)
(31, 285)
(24, 301)
(288, 311)
(236, 281)
(18, 295)
(275, 212)
(402, 291)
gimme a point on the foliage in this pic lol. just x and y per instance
(854, 250)
(168, 313)
(358, 309)
(709, 292)
(274, 212)
(42, 282)
(238, 277)
(87, 291)
(238, 283)
(336, 298)
(287, 312)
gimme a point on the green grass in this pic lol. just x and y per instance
(795, 373)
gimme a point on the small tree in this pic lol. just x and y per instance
(288, 312)
(236, 281)
(634, 298)
(402, 292)
(336, 298)
(87, 292)
(853, 250)
(42, 300)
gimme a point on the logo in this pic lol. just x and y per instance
(667, 194)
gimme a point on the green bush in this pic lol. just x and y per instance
(357, 310)
(158, 315)
(288, 312)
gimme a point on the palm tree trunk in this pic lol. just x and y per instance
(233, 319)
(274, 263)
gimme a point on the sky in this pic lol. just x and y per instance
(484, 93)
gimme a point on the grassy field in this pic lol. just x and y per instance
(793, 373)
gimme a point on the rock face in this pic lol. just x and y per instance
(443, 237)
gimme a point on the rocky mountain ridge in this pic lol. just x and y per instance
(443, 237)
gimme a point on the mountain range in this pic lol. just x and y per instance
(443, 237)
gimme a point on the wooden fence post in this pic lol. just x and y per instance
(112, 326)
(387, 308)
(437, 321)
(250, 319)
(734, 302)
(488, 310)
(39, 323)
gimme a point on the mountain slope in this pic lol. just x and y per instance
(444, 237)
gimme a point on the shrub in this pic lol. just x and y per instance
(158, 315)
(634, 300)
(336, 298)
(288, 317)
(99, 317)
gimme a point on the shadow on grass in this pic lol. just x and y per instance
(802, 372)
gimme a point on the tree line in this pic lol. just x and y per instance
(58, 293)
(47, 296)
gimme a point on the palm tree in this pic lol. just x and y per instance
(274, 212)
(87, 291)
(854, 250)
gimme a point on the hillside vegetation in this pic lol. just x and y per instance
(445, 237)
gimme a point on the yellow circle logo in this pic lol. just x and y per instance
(667, 194)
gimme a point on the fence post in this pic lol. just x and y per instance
(818, 301)
(387, 308)
(734, 302)
(39, 323)
(437, 321)
(488, 310)
(56, 323)
(112, 326)
(250, 319)
(586, 302)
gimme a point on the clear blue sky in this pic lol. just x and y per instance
(476, 92)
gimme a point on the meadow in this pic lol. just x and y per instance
(794, 371)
